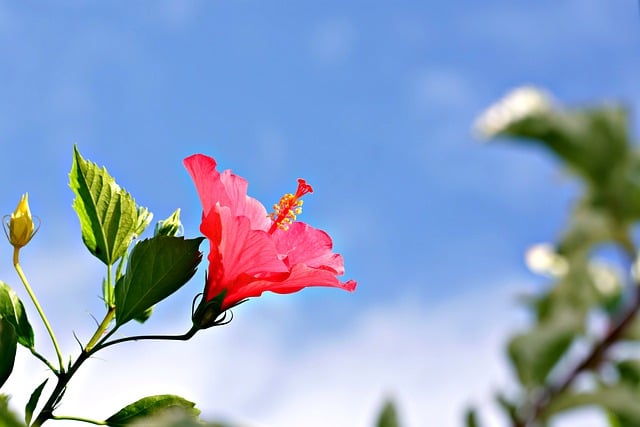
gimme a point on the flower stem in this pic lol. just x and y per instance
(184, 337)
(25, 282)
(101, 328)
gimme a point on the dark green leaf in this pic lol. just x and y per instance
(12, 310)
(144, 316)
(629, 371)
(535, 353)
(33, 401)
(8, 344)
(388, 416)
(157, 268)
(509, 407)
(151, 406)
(7, 417)
(108, 215)
(471, 418)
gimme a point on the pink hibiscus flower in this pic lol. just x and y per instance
(251, 251)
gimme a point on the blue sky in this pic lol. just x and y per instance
(373, 103)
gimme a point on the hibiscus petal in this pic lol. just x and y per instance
(207, 180)
(241, 204)
(301, 277)
(303, 244)
(226, 189)
(246, 251)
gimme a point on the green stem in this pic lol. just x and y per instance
(618, 326)
(184, 337)
(101, 329)
(111, 313)
(64, 377)
(84, 420)
(25, 282)
(47, 410)
(45, 361)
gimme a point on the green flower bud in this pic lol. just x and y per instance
(170, 226)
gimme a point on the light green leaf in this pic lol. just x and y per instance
(150, 406)
(33, 401)
(109, 217)
(7, 417)
(157, 268)
(143, 220)
(170, 226)
(620, 399)
(12, 310)
(593, 141)
(8, 344)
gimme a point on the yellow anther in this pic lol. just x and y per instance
(289, 206)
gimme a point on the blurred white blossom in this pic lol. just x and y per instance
(543, 259)
(516, 105)
(606, 277)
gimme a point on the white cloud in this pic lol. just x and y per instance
(332, 41)
(433, 361)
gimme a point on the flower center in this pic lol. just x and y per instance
(289, 207)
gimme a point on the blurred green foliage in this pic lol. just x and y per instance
(594, 145)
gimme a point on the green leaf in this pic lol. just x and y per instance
(7, 417)
(388, 416)
(593, 141)
(170, 226)
(144, 218)
(471, 418)
(536, 352)
(144, 316)
(620, 399)
(150, 406)
(509, 407)
(8, 344)
(588, 226)
(109, 217)
(629, 371)
(12, 310)
(175, 417)
(33, 401)
(157, 268)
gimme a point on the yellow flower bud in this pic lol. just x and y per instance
(21, 227)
